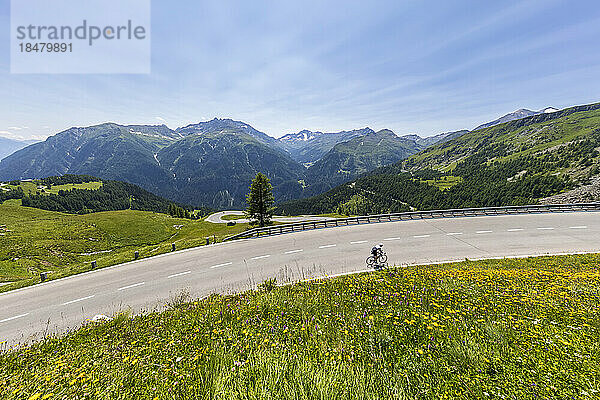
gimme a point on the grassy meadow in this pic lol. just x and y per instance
(498, 329)
(444, 182)
(231, 217)
(33, 240)
(31, 187)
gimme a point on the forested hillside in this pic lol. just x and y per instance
(83, 194)
(528, 136)
(217, 168)
(211, 164)
(357, 156)
(518, 162)
(208, 164)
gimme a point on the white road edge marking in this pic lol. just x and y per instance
(179, 274)
(327, 246)
(578, 227)
(293, 251)
(454, 233)
(515, 230)
(259, 257)
(132, 286)
(359, 242)
(15, 317)
(421, 236)
(393, 238)
(480, 232)
(78, 300)
(221, 265)
(545, 229)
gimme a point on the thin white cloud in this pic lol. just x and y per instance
(11, 135)
(161, 119)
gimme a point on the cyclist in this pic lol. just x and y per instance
(376, 251)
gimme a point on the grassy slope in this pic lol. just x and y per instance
(556, 152)
(37, 240)
(522, 140)
(444, 182)
(526, 328)
(232, 217)
(31, 187)
(87, 185)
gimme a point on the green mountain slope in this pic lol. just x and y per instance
(92, 195)
(109, 151)
(217, 125)
(206, 164)
(518, 162)
(217, 168)
(528, 136)
(307, 147)
(357, 156)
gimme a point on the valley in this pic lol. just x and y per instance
(301, 200)
(210, 164)
(514, 163)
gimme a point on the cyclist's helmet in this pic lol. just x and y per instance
(380, 245)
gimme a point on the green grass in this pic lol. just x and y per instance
(33, 240)
(28, 187)
(31, 187)
(86, 185)
(236, 217)
(501, 329)
(232, 217)
(523, 141)
(332, 215)
(444, 182)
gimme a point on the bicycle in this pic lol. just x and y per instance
(379, 261)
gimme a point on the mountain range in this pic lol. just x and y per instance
(347, 160)
(9, 146)
(523, 161)
(307, 147)
(211, 163)
(519, 114)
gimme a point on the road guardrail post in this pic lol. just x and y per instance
(43, 276)
(136, 255)
(94, 264)
(207, 240)
(172, 246)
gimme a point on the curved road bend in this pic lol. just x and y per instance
(217, 218)
(148, 284)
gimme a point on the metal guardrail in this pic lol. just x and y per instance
(413, 215)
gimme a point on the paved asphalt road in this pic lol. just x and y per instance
(217, 218)
(148, 284)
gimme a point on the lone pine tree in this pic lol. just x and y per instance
(260, 201)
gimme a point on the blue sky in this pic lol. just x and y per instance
(412, 66)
